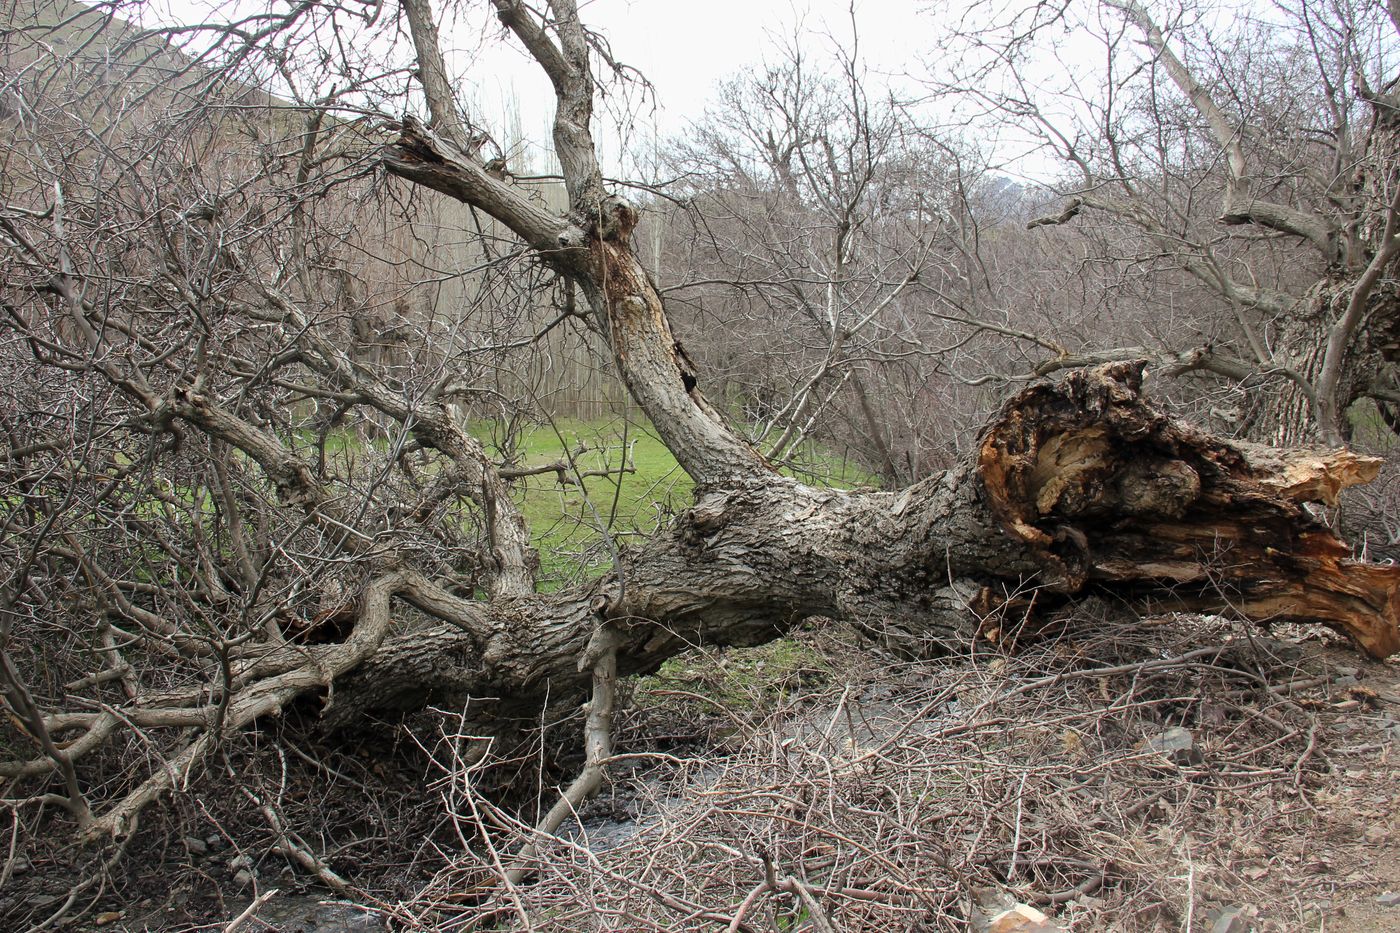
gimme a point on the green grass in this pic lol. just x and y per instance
(740, 680)
(576, 526)
(568, 522)
(567, 525)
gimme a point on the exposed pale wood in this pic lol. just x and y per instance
(1307, 474)
(1111, 493)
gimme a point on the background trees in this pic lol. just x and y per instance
(821, 222)
(1198, 205)
(1250, 153)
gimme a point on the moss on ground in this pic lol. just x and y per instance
(742, 681)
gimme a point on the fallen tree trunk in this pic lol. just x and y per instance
(1077, 488)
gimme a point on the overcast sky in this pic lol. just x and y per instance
(684, 49)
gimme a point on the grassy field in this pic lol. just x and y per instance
(568, 523)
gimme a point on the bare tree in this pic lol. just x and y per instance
(188, 551)
(1255, 157)
(819, 224)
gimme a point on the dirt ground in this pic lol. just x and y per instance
(1357, 861)
(1182, 776)
(1126, 779)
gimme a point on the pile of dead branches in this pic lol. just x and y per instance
(1133, 776)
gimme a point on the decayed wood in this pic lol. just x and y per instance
(1307, 474)
(1111, 493)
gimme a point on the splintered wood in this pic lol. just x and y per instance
(1113, 494)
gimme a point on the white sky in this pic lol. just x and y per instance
(684, 49)
(687, 49)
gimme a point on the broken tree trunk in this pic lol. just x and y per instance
(1114, 495)
(1076, 488)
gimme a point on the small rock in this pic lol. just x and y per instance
(1023, 918)
(244, 878)
(240, 861)
(214, 841)
(1389, 899)
(1173, 740)
(111, 916)
(19, 866)
(196, 845)
(1228, 920)
(41, 901)
(986, 904)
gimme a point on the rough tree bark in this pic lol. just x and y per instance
(1077, 488)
